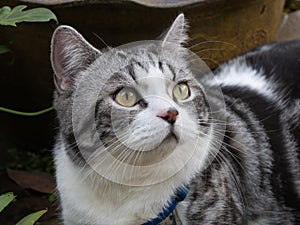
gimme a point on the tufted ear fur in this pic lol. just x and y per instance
(70, 54)
(177, 33)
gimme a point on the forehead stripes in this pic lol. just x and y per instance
(141, 68)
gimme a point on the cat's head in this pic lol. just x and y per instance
(135, 111)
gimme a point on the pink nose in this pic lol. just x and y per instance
(169, 116)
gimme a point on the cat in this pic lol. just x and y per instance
(138, 128)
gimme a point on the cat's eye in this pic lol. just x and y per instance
(126, 97)
(181, 91)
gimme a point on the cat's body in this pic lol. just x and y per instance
(171, 134)
(262, 92)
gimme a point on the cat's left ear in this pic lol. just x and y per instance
(177, 33)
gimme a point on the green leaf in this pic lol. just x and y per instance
(5, 199)
(10, 16)
(52, 197)
(31, 218)
(4, 49)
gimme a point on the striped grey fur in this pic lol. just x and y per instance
(255, 177)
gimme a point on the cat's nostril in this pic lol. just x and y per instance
(169, 116)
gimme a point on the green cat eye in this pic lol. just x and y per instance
(181, 91)
(126, 97)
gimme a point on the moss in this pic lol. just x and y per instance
(25, 160)
(291, 6)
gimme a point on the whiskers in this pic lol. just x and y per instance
(101, 39)
(212, 42)
(206, 46)
(230, 155)
(117, 161)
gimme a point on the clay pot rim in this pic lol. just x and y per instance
(152, 3)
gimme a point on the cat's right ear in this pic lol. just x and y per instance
(70, 54)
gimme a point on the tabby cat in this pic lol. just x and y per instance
(140, 123)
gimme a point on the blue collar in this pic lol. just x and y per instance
(180, 196)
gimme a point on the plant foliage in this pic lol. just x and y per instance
(4, 49)
(7, 198)
(31, 218)
(10, 17)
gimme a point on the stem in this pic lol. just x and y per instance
(11, 111)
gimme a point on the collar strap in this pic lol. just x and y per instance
(180, 196)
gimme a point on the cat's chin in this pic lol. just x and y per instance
(163, 150)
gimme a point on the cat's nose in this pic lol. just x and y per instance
(169, 116)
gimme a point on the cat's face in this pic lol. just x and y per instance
(137, 105)
(153, 106)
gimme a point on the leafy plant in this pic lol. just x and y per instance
(31, 218)
(10, 17)
(3, 49)
(291, 6)
(7, 198)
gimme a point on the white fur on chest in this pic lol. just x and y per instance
(86, 202)
(91, 200)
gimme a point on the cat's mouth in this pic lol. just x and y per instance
(174, 134)
(170, 139)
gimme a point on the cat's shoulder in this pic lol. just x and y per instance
(279, 61)
(272, 70)
(288, 48)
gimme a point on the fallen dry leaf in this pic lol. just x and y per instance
(38, 181)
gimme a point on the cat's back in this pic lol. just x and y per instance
(270, 70)
(268, 80)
